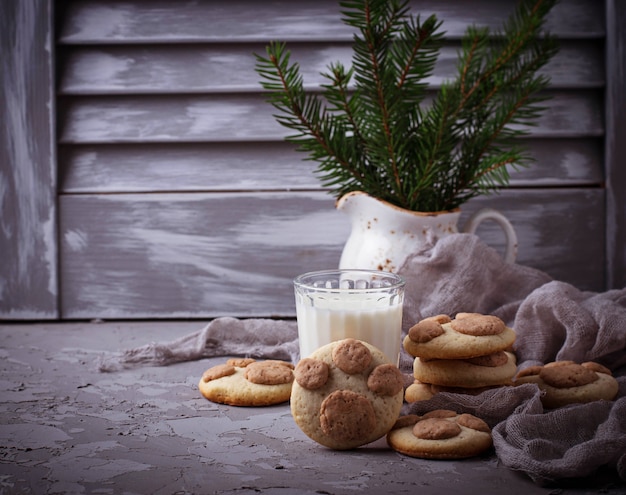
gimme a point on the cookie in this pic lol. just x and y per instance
(440, 434)
(567, 382)
(418, 391)
(247, 382)
(484, 371)
(468, 335)
(346, 394)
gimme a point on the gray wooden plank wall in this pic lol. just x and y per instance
(615, 104)
(177, 196)
(28, 214)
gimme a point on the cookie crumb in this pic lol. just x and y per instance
(268, 373)
(439, 413)
(351, 356)
(385, 379)
(556, 364)
(240, 362)
(311, 373)
(425, 331)
(436, 429)
(471, 421)
(597, 367)
(218, 371)
(439, 319)
(478, 325)
(347, 416)
(567, 376)
(461, 315)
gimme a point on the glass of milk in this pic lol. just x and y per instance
(362, 304)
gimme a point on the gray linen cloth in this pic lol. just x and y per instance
(553, 321)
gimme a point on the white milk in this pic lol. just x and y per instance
(334, 317)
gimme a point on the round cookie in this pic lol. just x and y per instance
(440, 434)
(566, 382)
(485, 371)
(418, 391)
(346, 394)
(247, 382)
(469, 335)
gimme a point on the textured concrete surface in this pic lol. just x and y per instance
(67, 428)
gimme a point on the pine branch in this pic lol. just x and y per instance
(373, 134)
(299, 111)
(498, 92)
(389, 73)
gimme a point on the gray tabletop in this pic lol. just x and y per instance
(67, 428)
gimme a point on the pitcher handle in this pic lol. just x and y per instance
(477, 218)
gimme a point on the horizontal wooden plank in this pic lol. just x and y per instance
(192, 255)
(206, 255)
(274, 166)
(245, 117)
(560, 231)
(215, 68)
(164, 21)
(185, 167)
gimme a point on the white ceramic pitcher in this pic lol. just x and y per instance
(384, 235)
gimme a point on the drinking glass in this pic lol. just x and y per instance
(362, 304)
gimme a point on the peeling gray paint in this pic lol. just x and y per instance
(66, 428)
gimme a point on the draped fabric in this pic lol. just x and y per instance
(553, 321)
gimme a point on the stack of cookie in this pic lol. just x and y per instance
(466, 354)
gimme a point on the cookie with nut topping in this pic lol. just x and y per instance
(418, 391)
(568, 382)
(440, 434)
(469, 335)
(497, 368)
(248, 382)
(346, 394)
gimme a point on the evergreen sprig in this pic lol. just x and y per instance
(372, 128)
